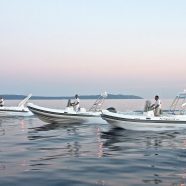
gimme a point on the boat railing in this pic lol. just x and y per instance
(98, 103)
(178, 105)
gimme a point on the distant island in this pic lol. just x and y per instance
(110, 96)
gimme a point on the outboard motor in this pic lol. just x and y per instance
(112, 109)
(147, 106)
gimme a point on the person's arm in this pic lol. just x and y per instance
(158, 104)
(76, 102)
(152, 106)
(72, 104)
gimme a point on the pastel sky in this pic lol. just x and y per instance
(63, 47)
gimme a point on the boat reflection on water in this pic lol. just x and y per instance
(116, 138)
(13, 152)
(151, 156)
(46, 127)
(2, 130)
(14, 124)
(44, 131)
(68, 141)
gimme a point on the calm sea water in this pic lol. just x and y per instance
(35, 153)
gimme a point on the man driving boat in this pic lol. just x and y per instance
(156, 106)
(75, 104)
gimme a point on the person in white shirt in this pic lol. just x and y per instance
(157, 106)
(1, 102)
(76, 103)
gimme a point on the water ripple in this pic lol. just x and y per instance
(35, 153)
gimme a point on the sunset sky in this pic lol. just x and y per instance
(63, 47)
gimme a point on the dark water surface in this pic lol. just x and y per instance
(35, 153)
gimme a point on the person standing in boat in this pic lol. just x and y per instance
(156, 106)
(1, 102)
(76, 103)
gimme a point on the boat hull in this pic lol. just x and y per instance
(144, 123)
(14, 112)
(61, 117)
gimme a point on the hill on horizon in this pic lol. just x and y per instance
(110, 96)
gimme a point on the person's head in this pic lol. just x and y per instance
(76, 96)
(156, 97)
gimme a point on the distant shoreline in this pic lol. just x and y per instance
(110, 96)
